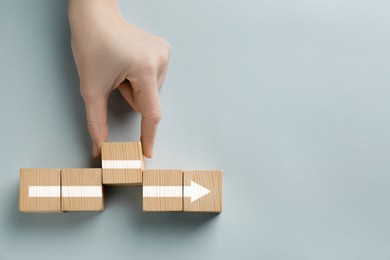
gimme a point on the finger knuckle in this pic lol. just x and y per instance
(155, 117)
(164, 58)
(149, 67)
(86, 92)
(97, 131)
(83, 90)
(165, 52)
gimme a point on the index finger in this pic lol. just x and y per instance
(148, 101)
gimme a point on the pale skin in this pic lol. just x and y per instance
(110, 54)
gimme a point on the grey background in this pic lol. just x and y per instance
(289, 98)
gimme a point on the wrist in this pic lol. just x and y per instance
(80, 11)
(91, 4)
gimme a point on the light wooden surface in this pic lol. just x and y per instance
(85, 178)
(38, 177)
(165, 178)
(209, 179)
(122, 151)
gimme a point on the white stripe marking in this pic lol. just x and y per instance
(65, 191)
(162, 191)
(82, 191)
(121, 164)
(44, 191)
(195, 191)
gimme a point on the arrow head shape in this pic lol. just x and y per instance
(195, 191)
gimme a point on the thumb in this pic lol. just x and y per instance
(96, 109)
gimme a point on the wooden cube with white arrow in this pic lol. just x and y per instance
(202, 191)
(175, 190)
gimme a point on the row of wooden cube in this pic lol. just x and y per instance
(122, 164)
(56, 190)
(176, 190)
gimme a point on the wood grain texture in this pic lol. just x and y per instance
(84, 178)
(121, 151)
(211, 180)
(38, 177)
(170, 178)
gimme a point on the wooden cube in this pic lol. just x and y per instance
(82, 190)
(40, 190)
(122, 163)
(202, 191)
(162, 190)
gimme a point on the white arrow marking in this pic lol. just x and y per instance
(65, 191)
(195, 191)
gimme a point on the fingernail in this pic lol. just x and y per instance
(149, 154)
(94, 150)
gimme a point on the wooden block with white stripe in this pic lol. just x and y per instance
(82, 190)
(122, 163)
(202, 191)
(162, 190)
(40, 190)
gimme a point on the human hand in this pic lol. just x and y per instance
(110, 53)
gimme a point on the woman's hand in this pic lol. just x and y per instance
(110, 53)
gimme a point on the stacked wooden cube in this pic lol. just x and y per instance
(59, 190)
